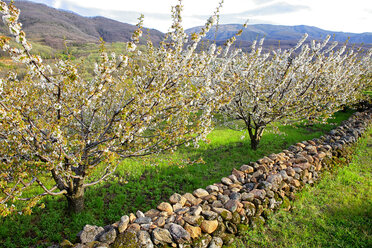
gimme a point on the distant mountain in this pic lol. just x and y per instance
(287, 35)
(52, 27)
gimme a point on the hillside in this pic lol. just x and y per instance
(52, 27)
(287, 35)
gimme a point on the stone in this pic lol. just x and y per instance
(126, 239)
(144, 239)
(259, 193)
(236, 218)
(179, 234)
(160, 222)
(223, 198)
(228, 239)
(209, 226)
(224, 213)
(250, 208)
(290, 171)
(235, 196)
(311, 149)
(139, 214)
(166, 207)
(133, 227)
(212, 188)
(123, 224)
(143, 220)
(239, 175)
(65, 244)
(231, 227)
(216, 242)
(196, 210)
(193, 220)
(182, 211)
(217, 204)
(275, 180)
(90, 233)
(226, 181)
(203, 241)
(177, 206)
(247, 196)
(200, 193)
(190, 198)
(132, 217)
(209, 215)
(161, 236)
(177, 198)
(152, 213)
(247, 169)
(194, 231)
(109, 236)
(232, 205)
(296, 183)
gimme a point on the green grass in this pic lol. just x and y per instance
(336, 212)
(141, 184)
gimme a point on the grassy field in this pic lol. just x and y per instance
(336, 212)
(144, 183)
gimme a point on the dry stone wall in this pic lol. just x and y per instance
(212, 217)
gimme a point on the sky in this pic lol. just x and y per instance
(335, 15)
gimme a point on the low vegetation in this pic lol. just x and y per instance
(143, 183)
(336, 212)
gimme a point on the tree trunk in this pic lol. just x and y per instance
(75, 201)
(255, 135)
(254, 143)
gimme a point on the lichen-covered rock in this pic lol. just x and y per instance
(259, 193)
(144, 239)
(221, 229)
(224, 213)
(216, 242)
(179, 234)
(66, 244)
(126, 240)
(228, 239)
(90, 233)
(275, 180)
(161, 236)
(109, 236)
(247, 196)
(193, 220)
(232, 205)
(203, 241)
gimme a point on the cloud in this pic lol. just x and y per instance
(258, 15)
(259, 2)
(276, 8)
